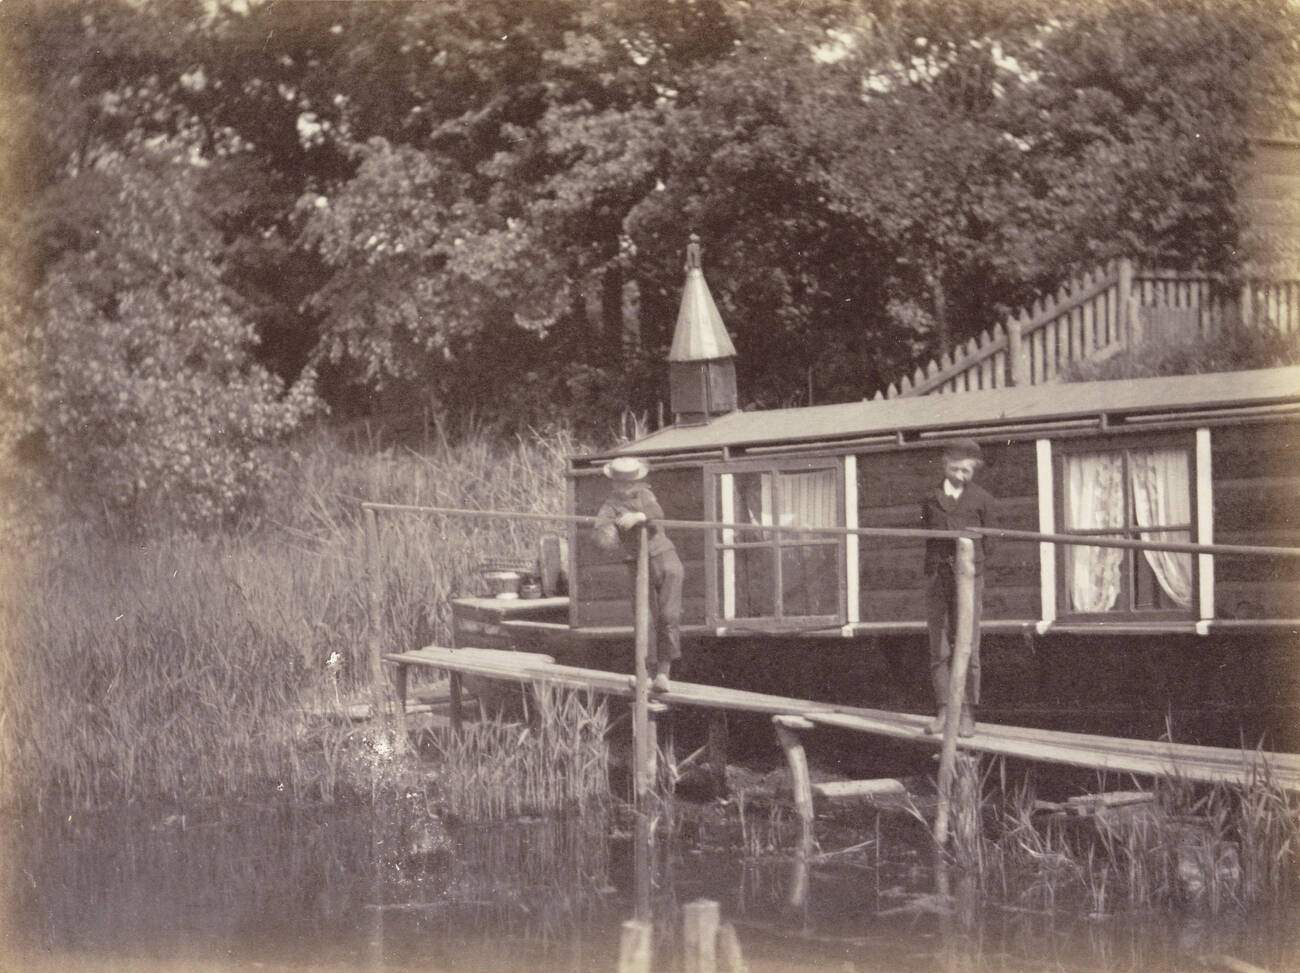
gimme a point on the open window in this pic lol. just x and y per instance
(1145, 492)
(776, 578)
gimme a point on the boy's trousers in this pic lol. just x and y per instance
(941, 617)
(666, 576)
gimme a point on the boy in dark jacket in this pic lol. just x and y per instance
(955, 503)
(631, 503)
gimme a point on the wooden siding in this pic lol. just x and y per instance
(604, 592)
(1256, 501)
(890, 487)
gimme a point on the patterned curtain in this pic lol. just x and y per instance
(1162, 495)
(1095, 482)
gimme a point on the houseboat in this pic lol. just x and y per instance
(1123, 642)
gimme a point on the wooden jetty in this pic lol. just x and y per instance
(1109, 754)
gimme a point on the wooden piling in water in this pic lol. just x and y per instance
(787, 728)
(642, 745)
(700, 936)
(634, 947)
(964, 569)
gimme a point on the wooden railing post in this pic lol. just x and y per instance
(964, 569)
(642, 745)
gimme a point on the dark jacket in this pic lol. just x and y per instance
(641, 502)
(974, 508)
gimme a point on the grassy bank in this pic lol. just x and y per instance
(172, 666)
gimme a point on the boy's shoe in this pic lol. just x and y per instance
(935, 726)
(966, 727)
(660, 684)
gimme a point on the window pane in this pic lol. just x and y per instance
(754, 583)
(1164, 578)
(807, 500)
(1094, 484)
(1094, 577)
(752, 502)
(1162, 495)
(810, 579)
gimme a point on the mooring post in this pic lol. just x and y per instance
(634, 947)
(642, 745)
(787, 732)
(700, 936)
(964, 569)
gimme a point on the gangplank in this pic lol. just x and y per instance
(1102, 753)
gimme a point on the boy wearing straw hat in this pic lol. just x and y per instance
(631, 503)
(954, 504)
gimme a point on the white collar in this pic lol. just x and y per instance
(951, 490)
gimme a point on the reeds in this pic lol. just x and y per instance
(557, 761)
(1192, 847)
(173, 666)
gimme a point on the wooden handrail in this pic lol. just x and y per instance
(912, 532)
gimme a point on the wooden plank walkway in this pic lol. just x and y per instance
(1111, 754)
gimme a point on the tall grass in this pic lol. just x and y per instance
(556, 762)
(173, 666)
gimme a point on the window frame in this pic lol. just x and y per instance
(1061, 450)
(714, 548)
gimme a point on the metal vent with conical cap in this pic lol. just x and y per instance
(701, 361)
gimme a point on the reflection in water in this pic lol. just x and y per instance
(395, 891)
(370, 892)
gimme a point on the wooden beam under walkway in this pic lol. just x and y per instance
(1110, 754)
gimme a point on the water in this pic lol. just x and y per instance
(339, 889)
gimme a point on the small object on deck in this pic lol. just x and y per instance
(552, 560)
(502, 584)
(530, 587)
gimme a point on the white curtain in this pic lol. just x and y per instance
(1162, 496)
(1095, 482)
(808, 500)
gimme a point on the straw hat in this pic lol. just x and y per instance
(625, 468)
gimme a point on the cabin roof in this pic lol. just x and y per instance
(969, 411)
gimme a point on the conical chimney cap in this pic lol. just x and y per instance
(700, 334)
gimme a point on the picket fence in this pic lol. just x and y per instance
(1096, 316)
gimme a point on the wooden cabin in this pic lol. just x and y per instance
(1077, 635)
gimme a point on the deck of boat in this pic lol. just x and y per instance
(1111, 754)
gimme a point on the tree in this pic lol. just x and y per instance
(135, 371)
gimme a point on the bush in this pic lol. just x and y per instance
(133, 367)
(1230, 349)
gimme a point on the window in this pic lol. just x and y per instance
(777, 576)
(1143, 493)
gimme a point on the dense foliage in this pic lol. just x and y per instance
(479, 207)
